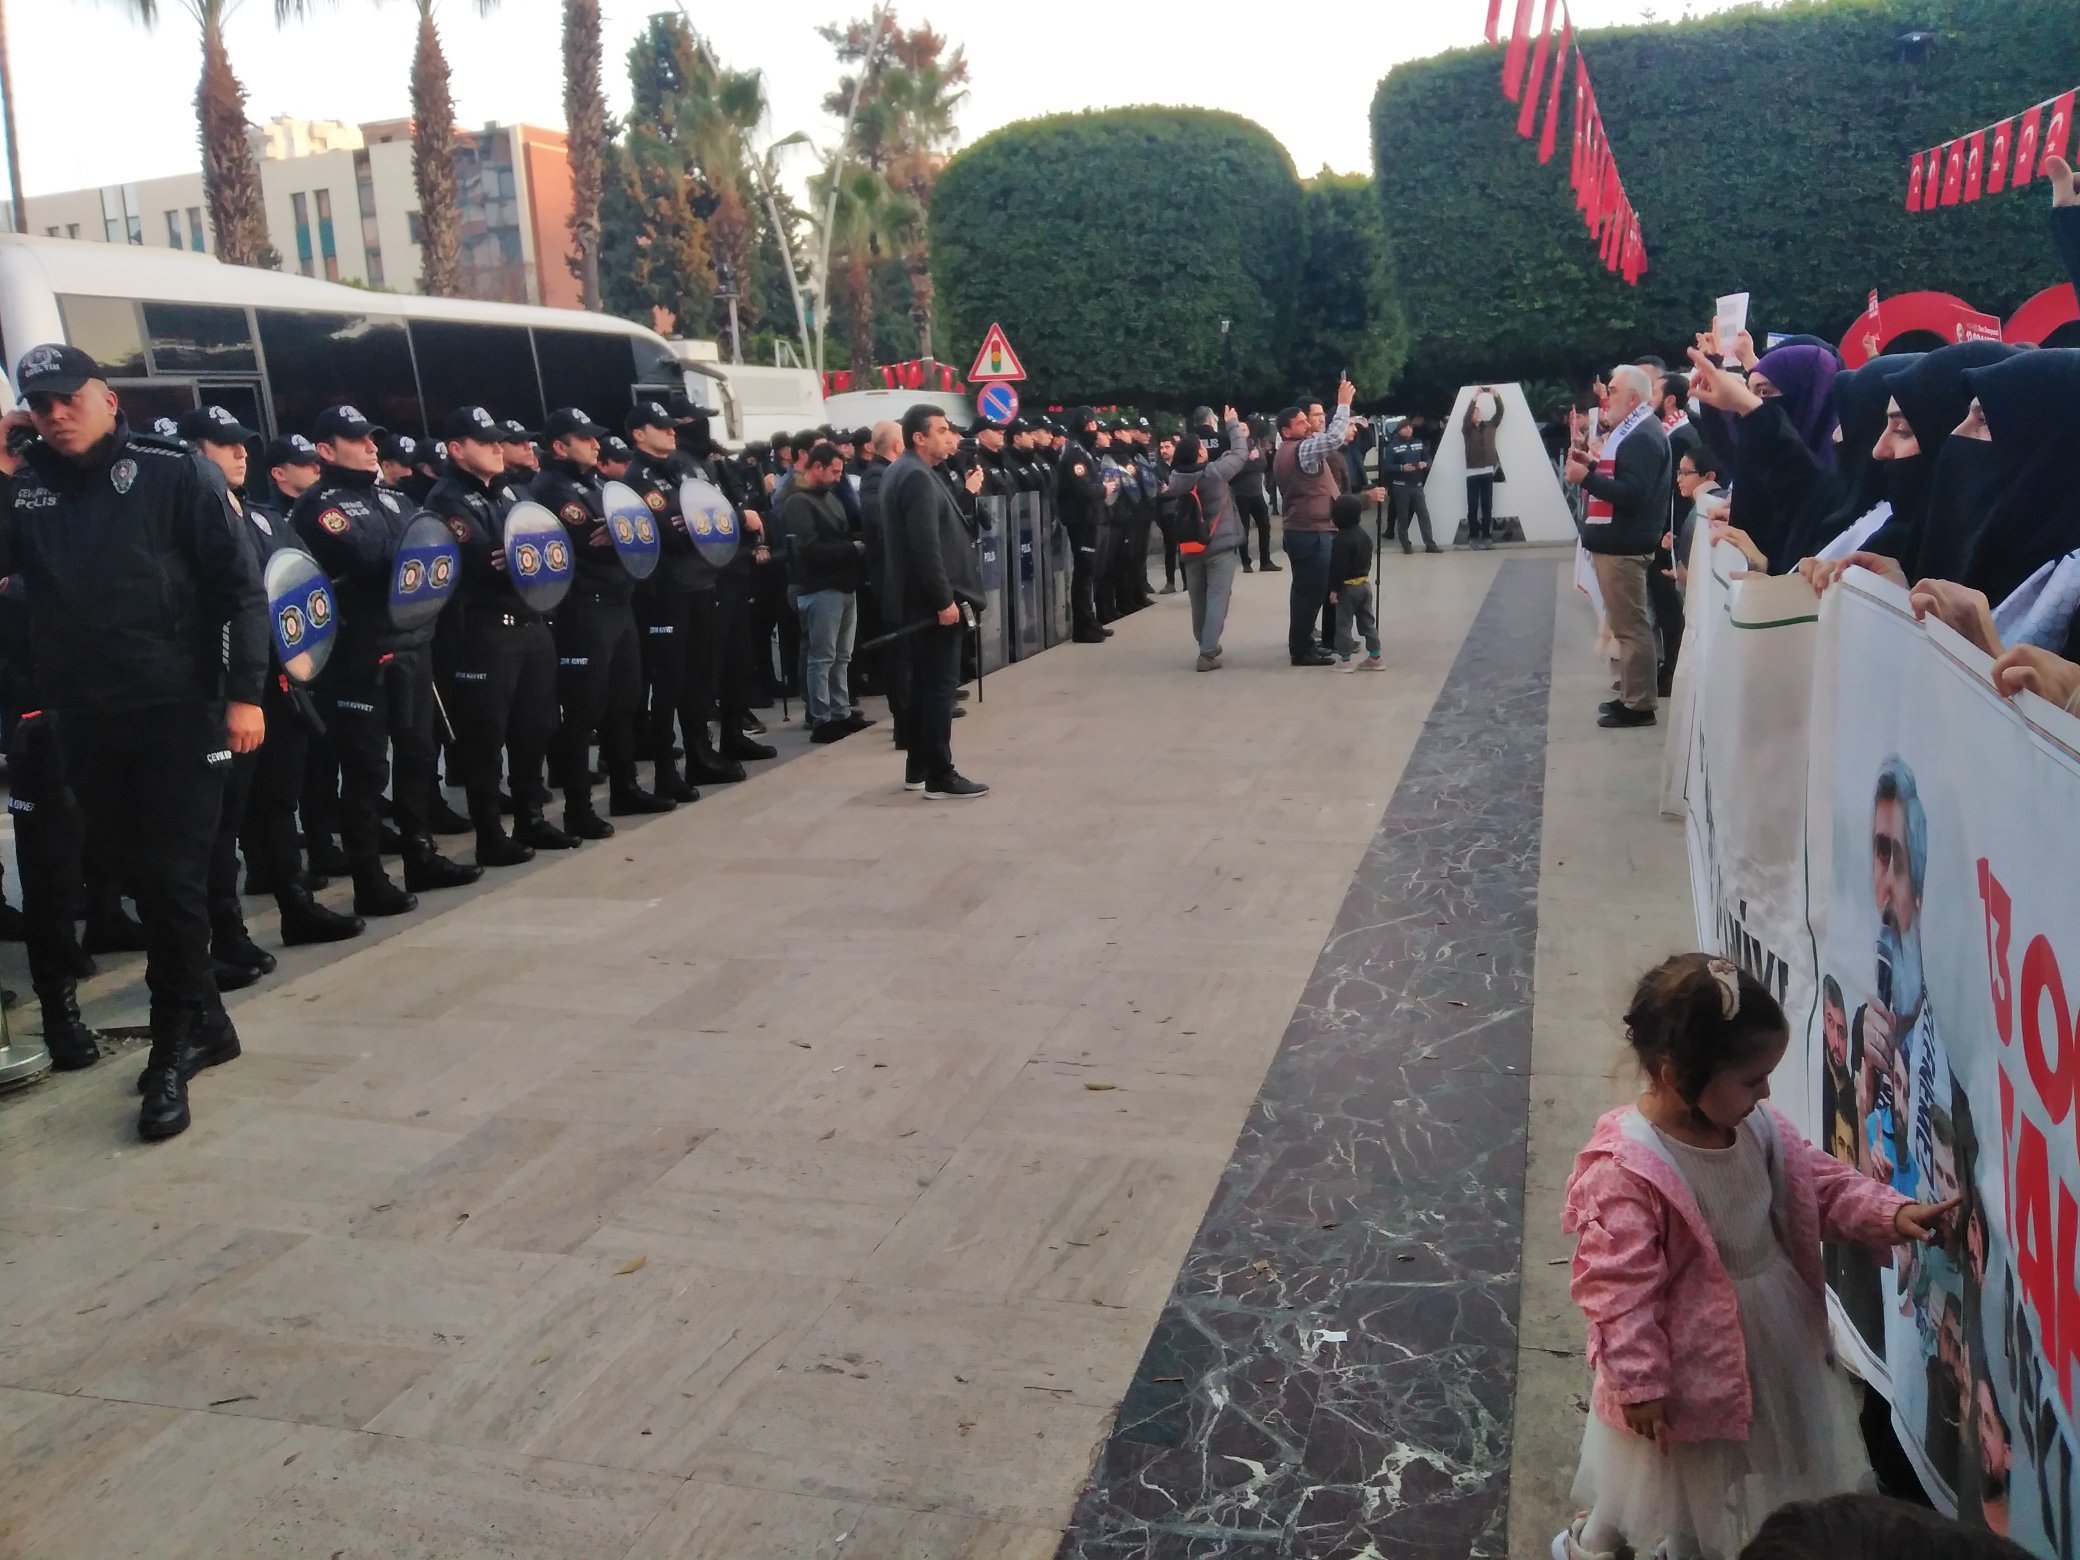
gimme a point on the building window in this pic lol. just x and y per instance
(415, 226)
(195, 239)
(173, 230)
(51, 232)
(301, 207)
(71, 230)
(375, 268)
(327, 248)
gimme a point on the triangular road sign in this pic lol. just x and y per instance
(996, 360)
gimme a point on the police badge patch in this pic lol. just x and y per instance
(335, 522)
(387, 502)
(460, 527)
(574, 514)
(122, 474)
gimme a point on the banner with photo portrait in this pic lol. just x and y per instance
(1941, 867)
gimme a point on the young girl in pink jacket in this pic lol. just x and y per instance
(1700, 1212)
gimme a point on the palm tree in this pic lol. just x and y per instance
(585, 115)
(230, 171)
(870, 220)
(433, 158)
(14, 144)
(715, 115)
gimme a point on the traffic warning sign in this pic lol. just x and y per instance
(996, 360)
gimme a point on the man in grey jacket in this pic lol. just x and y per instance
(929, 576)
(1212, 556)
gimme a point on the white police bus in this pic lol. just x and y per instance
(175, 330)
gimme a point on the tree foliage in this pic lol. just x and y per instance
(1347, 317)
(585, 116)
(1767, 151)
(1111, 245)
(433, 162)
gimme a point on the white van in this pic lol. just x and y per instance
(864, 408)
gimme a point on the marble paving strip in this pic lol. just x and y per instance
(1334, 1372)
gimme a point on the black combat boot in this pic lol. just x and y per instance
(209, 1040)
(444, 819)
(110, 928)
(627, 798)
(375, 894)
(326, 858)
(231, 943)
(65, 1034)
(494, 847)
(535, 830)
(304, 920)
(580, 817)
(164, 1111)
(671, 785)
(737, 745)
(426, 868)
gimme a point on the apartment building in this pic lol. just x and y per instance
(342, 206)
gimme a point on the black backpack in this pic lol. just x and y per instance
(1188, 522)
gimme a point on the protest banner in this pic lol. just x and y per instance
(1936, 861)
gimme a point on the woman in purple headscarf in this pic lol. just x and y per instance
(1785, 482)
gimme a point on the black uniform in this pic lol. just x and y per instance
(1079, 498)
(1402, 460)
(376, 693)
(496, 666)
(600, 675)
(147, 617)
(1251, 500)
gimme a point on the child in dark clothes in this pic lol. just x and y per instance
(1350, 586)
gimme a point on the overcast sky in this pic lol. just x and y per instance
(104, 101)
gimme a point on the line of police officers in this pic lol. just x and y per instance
(155, 729)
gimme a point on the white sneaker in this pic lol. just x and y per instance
(1375, 663)
(1345, 664)
(1567, 1545)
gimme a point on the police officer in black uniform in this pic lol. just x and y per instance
(676, 607)
(730, 670)
(600, 678)
(376, 693)
(523, 460)
(150, 630)
(1079, 501)
(277, 764)
(497, 662)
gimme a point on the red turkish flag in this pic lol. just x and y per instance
(1953, 172)
(1914, 185)
(2057, 128)
(2027, 131)
(1527, 115)
(1546, 141)
(1975, 165)
(1999, 158)
(1519, 52)
(1494, 18)
(1581, 126)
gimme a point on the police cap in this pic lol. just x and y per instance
(474, 424)
(215, 424)
(614, 447)
(568, 422)
(511, 432)
(54, 369)
(648, 414)
(340, 422)
(399, 449)
(295, 450)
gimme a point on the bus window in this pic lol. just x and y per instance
(199, 338)
(320, 360)
(466, 364)
(106, 329)
(591, 370)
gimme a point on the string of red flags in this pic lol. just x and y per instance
(916, 374)
(2001, 156)
(1535, 71)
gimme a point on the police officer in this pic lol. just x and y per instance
(397, 464)
(600, 678)
(1079, 499)
(1406, 462)
(497, 660)
(614, 457)
(733, 672)
(150, 632)
(676, 607)
(275, 768)
(523, 460)
(376, 693)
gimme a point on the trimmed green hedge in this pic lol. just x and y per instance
(1111, 245)
(1347, 318)
(1767, 152)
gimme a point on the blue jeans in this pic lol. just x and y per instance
(829, 620)
(1308, 552)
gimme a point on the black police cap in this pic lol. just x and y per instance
(340, 422)
(54, 369)
(473, 423)
(511, 432)
(295, 450)
(568, 422)
(648, 414)
(215, 424)
(400, 449)
(614, 447)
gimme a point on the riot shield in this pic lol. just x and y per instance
(710, 519)
(633, 528)
(1024, 589)
(991, 548)
(299, 605)
(538, 556)
(423, 576)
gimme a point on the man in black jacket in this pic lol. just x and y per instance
(150, 629)
(1079, 500)
(1628, 480)
(929, 577)
(826, 562)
